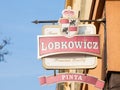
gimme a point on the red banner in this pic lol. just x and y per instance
(50, 45)
(72, 77)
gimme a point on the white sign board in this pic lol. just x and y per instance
(69, 61)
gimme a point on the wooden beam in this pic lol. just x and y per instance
(92, 9)
(99, 13)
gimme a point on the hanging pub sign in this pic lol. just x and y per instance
(69, 45)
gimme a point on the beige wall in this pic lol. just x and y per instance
(84, 6)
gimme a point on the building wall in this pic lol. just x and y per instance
(113, 34)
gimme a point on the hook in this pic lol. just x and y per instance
(54, 72)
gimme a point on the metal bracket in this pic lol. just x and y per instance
(45, 21)
(54, 72)
(56, 21)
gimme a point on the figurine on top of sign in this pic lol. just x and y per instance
(68, 22)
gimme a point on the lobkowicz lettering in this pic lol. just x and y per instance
(69, 45)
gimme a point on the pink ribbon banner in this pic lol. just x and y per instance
(72, 77)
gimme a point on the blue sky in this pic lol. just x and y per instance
(22, 68)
